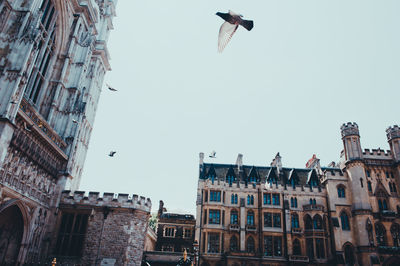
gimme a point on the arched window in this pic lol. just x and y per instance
(311, 202)
(317, 222)
(345, 221)
(233, 244)
(295, 220)
(380, 205)
(341, 191)
(250, 244)
(46, 48)
(296, 247)
(308, 222)
(395, 231)
(291, 202)
(250, 218)
(380, 233)
(295, 202)
(236, 198)
(314, 202)
(349, 254)
(234, 217)
(385, 206)
(368, 227)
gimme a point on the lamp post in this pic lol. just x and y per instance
(195, 252)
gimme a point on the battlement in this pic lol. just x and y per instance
(378, 153)
(393, 132)
(351, 128)
(106, 200)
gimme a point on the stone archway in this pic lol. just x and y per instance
(11, 233)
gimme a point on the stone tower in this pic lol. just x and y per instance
(393, 136)
(355, 168)
(53, 58)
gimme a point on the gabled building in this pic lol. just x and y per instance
(345, 213)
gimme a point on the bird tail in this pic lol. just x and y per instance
(248, 24)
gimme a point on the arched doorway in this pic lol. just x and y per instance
(11, 232)
(349, 254)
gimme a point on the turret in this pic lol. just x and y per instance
(351, 141)
(393, 135)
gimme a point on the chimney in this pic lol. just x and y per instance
(239, 162)
(201, 158)
(160, 209)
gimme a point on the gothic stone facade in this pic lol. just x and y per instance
(53, 58)
(346, 213)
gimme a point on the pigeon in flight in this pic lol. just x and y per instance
(110, 88)
(213, 154)
(111, 154)
(229, 27)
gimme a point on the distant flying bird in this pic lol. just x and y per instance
(213, 154)
(74, 121)
(229, 27)
(110, 88)
(111, 154)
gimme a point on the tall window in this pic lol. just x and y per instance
(233, 244)
(230, 179)
(250, 218)
(214, 217)
(395, 231)
(213, 243)
(319, 246)
(380, 233)
(234, 217)
(267, 199)
(46, 47)
(317, 222)
(345, 221)
(250, 244)
(169, 231)
(349, 255)
(267, 219)
(273, 246)
(215, 196)
(234, 198)
(310, 248)
(293, 202)
(71, 234)
(187, 232)
(341, 192)
(250, 200)
(295, 220)
(382, 204)
(275, 199)
(308, 222)
(369, 184)
(296, 247)
(277, 220)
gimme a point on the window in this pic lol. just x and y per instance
(250, 218)
(295, 220)
(275, 199)
(234, 198)
(395, 231)
(187, 232)
(71, 234)
(341, 192)
(349, 255)
(308, 222)
(250, 247)
(169, 248)
(394, 187)
(234, 217)
(267, 219)
(46, 46)
(233, 244)
(230, 180)
(169, 231)
(345, 221)
(310, 247)
(390, 187)
(361, 182)
(296, 247)
(272, 246)
(369, 186)
(382, 204)
(215, 196)
(214, 217)
(213, 243)
(380, 233)
(368, 173)
(250, 200)
(313, 183)
(267, 199)
(320, 250)
(317, 222)
(277, 220)
(387, 174)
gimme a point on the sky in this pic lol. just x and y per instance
(286, 86)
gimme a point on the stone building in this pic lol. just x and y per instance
(53, 58)
(175, 234)
(345, 213)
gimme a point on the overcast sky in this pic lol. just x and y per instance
(286, 86)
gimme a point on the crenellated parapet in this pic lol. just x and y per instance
(393, 132)
(107, 199)
(351, 128)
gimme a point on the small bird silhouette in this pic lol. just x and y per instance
(111, 154)
(74, 121)
(229, 27)
(213, 154)
(110, 88)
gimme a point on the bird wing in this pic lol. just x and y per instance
(225, 34)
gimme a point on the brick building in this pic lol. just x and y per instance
(345, 213)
